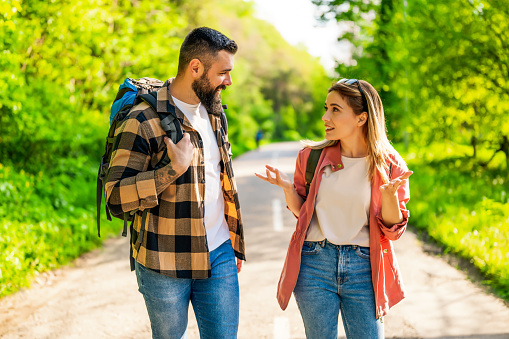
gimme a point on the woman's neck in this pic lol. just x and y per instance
(354, 148)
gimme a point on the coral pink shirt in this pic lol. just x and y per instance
(386, 279)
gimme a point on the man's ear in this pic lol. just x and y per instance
(362, 118)
(196, 68)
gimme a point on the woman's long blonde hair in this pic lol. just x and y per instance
(374, 131)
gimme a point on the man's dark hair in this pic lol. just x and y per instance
(204, 43)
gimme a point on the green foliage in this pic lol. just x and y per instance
(462, 51)
(62, 62)
(464, 207)
(46, 219)
(438, 66)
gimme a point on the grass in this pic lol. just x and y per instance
(47, 219)
(464, 207)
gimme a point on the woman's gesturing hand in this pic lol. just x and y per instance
(280, 178)
(392, 187)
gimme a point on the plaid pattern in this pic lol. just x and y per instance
(173, 237)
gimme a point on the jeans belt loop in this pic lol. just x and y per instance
(322, 243)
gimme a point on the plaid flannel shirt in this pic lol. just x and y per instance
(174, 242)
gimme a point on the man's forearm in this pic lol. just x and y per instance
(166, 175)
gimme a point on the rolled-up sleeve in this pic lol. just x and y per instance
(129, 186)
(299, 178)
(396, 231)
(146, 186)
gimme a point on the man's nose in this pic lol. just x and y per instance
(228, 80)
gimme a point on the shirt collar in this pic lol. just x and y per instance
(165, 100)
(332, 157)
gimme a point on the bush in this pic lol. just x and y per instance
(464, 207)
(46, 220)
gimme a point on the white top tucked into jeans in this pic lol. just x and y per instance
(342, 205)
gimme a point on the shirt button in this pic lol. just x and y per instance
(202, 162)
(203, 180)
(339, 165)
(385, 250)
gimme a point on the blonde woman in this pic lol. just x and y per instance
(340, 257)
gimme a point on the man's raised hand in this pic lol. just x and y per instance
(180, 153)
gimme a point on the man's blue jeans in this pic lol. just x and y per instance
(215, 300)
(334, 278)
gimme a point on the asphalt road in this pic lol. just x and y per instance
(97, 297)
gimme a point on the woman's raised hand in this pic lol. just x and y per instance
(392, 187)
(280, 178)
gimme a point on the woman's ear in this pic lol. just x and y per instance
(362, 118)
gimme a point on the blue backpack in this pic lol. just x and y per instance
(130, 93)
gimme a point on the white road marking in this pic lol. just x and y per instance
(275, 159)
(281, 328)
(277, 216)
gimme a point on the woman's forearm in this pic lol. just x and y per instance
(293, 200)
(391, 214)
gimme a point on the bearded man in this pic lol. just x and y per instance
(192, 243)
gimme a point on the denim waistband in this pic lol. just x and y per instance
(324, 242)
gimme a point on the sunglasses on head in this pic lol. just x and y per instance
(352, 82)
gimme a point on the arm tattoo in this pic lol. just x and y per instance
(164, 177)
(171, 172)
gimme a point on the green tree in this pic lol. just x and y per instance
(441, 67)
(460, 62)
(373, 28)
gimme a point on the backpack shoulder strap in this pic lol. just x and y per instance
(170, 124)
(224, 122)
(150, 98)
(311, 164)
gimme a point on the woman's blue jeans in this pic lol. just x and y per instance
(335, 278)
(215, 300)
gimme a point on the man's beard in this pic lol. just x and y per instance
(209, 97)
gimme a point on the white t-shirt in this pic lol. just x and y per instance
(215, 223)
(341, 212)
